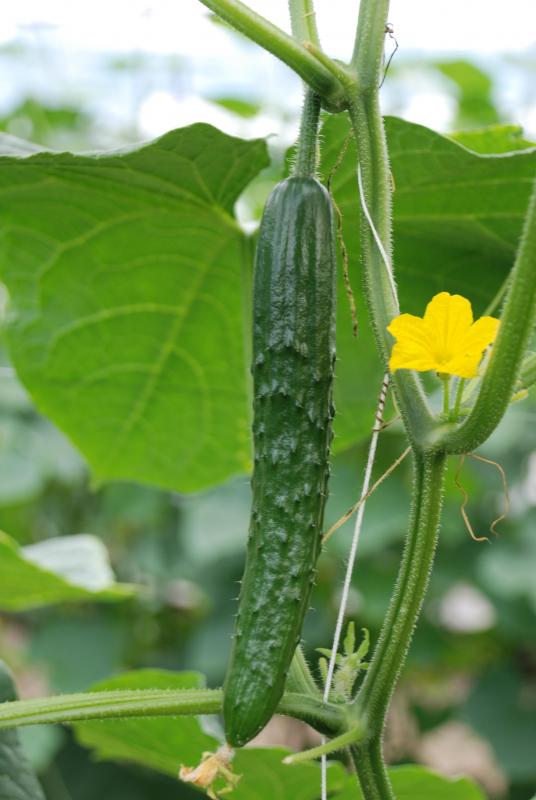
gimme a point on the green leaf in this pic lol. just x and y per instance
(167, 742)
(243, 108)
(128, 278)
(130, 286)
(457, 219)
(494, 139)
(265, 777)
(411, 782)
(475, 93)
(61, 570)
(160, 743)
(17, 780)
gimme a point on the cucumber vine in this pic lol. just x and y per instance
(259, 666)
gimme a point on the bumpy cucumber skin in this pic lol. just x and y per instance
(293, 365)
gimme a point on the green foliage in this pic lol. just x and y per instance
(265, 777)
(502, 708)
(40, 122)
(243, 108)
(165, 743)
(476, 104)
(495, 139)
(128, 276)
(55, 572)
(161, 743)
(457, 218)
(416, 783)
(17, 780)
(184, 298)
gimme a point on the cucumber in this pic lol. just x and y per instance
(293, 365)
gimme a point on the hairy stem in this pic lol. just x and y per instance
(370, 767)
(303, 19)
(306, 157)
(373, 699)
(119, 704)
(285, 47)
(367, 123)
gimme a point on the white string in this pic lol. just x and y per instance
(378, 419)
(376, 235)
(352, 557)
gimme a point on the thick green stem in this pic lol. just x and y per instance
(367, 123)
(120, 704)
(367, 58)
(303, 20)
(285, 47)
(306, 157)
(517, 324)
(373, 699)
(370, 767)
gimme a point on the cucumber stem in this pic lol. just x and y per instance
(303, 20)
(285, 47)
(399, 623)
(307, 153)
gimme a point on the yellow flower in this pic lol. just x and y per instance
(445, 340)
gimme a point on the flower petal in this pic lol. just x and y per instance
(480, 335)
(448, 317)
(407, 327)
(404, 356)
(464, 366)
(412, 349)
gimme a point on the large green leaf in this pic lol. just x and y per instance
(17, 780)
(457, 219)
(412, 782)
(494, 139)
(127, 274)
(130, 285)
(63, 570)
(165, 743)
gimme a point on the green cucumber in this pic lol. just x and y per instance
(293, 365)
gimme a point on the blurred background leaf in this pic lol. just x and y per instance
(416, 783)
(55, 571)
(17, 780)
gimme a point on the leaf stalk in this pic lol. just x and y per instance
(285, 47)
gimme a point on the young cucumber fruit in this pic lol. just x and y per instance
(293, 364)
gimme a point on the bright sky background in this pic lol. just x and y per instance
(476, 26)
(219, 63)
